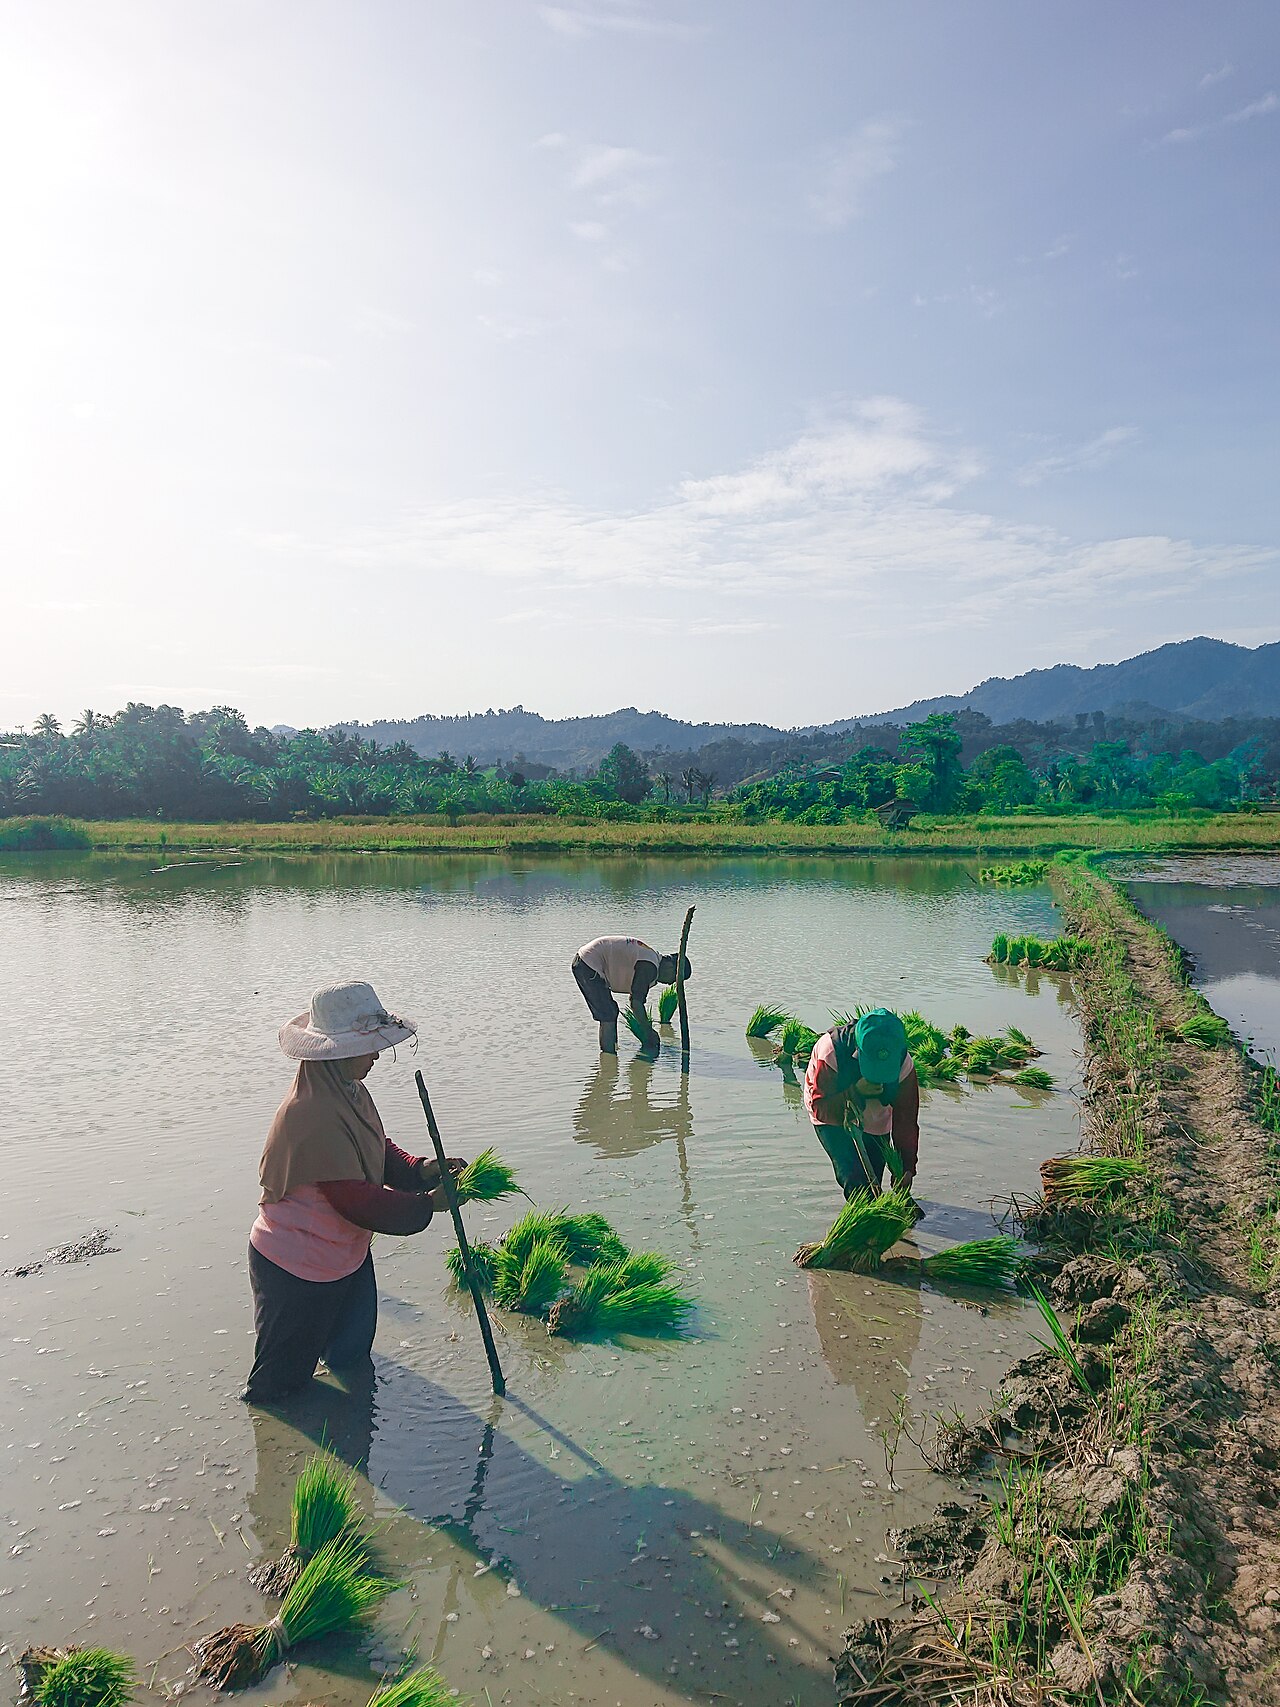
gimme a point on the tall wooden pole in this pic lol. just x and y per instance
(684, 1012)
(451, 1197)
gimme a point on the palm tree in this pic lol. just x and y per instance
(706, 782)
(87, 725)
(47, 728)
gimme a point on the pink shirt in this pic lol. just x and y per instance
(304, 1235)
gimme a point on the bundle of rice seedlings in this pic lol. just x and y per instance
(797, 1040)
(983, 1057)
(1020, 871)
(999, 948)
(613, 1298)
(324, 1507)
(641, 1027)
(765, 1021)
(862, 1232)
(422, 1688)
(1206, 1029)
(534, 1225)
(77, 1677)
(333, 1590)
(978, 1262)
(483, 1260)
(1078, 1179)
(486, 1180)
(668, 1002)
(638, 1266)
(532, 1281)
(944, 1072)
(587, 1237)
(1016, 1036)
(1034, 1079)
(1065, 953)
(925, 1042)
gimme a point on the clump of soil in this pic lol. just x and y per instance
(95, 1244)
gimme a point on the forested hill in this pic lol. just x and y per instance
(1196, 680)
(568, 743)
(1201, 679)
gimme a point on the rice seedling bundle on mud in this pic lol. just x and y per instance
(668, 1002)
(796, 1040)
(864, 1231)
(996, 1261)
(765, 1021)
(485, 1180)
(333, 1591)
(324, 1507)
(422, 1688)
(77, 1677)
(1057, 954)
(641, 1028)
(621, 1291)
(1081, 1179)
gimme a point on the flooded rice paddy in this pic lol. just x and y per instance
(1226, 913)
(654, 1522)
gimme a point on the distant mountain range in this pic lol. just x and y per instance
(1201, 679)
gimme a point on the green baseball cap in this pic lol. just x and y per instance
(881, 1041)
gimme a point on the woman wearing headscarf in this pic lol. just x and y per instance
(331, 1178)
(862, 1095)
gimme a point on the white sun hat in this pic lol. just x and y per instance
(344, 1020)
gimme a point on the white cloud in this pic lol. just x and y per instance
(846, 170)
(589, 230)
(1211, 77)
(1269, 103)
(615, 17)
(1092, 454)
(612, 175)
(863, 508)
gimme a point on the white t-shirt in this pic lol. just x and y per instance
(615, 958)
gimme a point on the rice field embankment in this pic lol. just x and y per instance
(1131, 1552)
(715, 834)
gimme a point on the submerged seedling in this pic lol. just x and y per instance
(864, 1230)
(324, 1507)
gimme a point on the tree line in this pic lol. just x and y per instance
(157, 761)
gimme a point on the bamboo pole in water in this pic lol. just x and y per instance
(684, 1012)
(451, 1197)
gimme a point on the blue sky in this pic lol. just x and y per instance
(742, 360)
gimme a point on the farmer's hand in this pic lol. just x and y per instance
(429, 1170)
(439, 1202)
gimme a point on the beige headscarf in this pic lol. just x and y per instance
(325, 1129)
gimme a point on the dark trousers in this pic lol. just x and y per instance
(300, 1321)
(596, 990)
(845, 1160)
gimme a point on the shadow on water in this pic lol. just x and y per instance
(610, 1559)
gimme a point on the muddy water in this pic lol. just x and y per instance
(1226, 913)
(649, 1523)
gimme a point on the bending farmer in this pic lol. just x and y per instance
(861, 1091)
(330, 1179)
(630, 967)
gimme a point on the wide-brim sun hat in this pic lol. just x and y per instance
(343, 1021)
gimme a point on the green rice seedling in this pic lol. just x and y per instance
(324, 1507)
(999, 948)
(422, 1688)
(797, 1040)
(483, 1258)
(485, 1180)
(1012, 1032)
(1065, 953)
(605, 1302)
(1032, 950)
(531, 1282)
(668, 1002)
(587, 1237)
(925, 1042)
(978, 1262)
(1019, 872)
(983, 1057)
(1034, 1079)
(78, 1677)
(1080, 1179)
(850, 1017)
(944, 1072)
(534, 1225)
(765, 1021)
(637, 1266)
(1206, 1029)
(862, 1232)
(960, 1034)
(1058, 1343)
(1017, 951)
(641, 1027)
(333, 1590)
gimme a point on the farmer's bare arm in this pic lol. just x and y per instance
(643, 979)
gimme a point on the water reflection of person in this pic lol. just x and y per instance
(869, 1330)
(620, 1118)
(565, 1535)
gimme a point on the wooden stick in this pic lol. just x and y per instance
(684, 1012)
(451, 1197)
